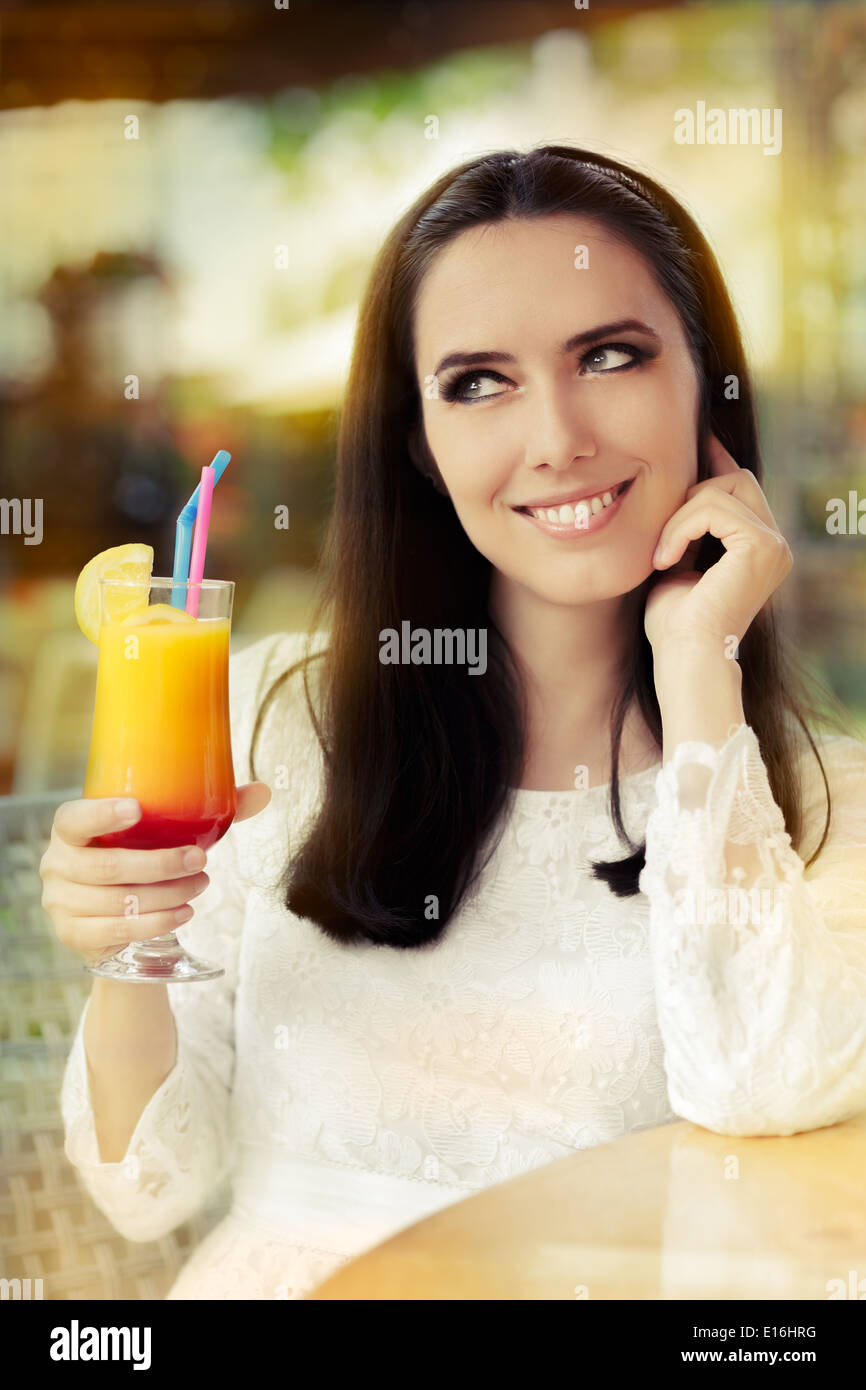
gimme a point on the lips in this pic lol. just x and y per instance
(589, 523)
(571, 500)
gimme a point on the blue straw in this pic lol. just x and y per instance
(183, 534)
(218, 464)
(182, 545)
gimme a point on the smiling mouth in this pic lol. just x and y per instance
(541, 513)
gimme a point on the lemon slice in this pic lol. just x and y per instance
(156, 613)
(128, 564)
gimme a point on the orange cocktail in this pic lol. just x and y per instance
(161, 729)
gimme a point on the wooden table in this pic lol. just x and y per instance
(676, 1212)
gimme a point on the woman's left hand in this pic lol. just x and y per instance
(691, 609)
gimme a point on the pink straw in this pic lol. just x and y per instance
(199, 538)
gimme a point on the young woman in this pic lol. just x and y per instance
(548, 745)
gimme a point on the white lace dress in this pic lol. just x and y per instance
(350, 1091)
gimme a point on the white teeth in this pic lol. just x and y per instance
(574, 513)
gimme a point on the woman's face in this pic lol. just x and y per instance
(531, 418)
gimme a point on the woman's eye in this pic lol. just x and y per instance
(462, 388)
(629, 356)
(598, 361)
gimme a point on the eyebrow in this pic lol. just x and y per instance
(475, 359)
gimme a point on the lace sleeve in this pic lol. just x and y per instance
(182, 1145)
(759, 964)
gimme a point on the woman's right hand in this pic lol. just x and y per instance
(90, 891)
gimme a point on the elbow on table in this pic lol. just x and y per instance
(730, 1114)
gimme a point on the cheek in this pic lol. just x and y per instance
(657, 428)
(654, 420)
(474, 461)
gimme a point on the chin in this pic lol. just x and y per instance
(575, 589)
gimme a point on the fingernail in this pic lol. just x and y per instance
(127, 809)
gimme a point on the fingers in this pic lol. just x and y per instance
(252, 798)
(738, 482)
(97, 865)
(72, 857)
(718, 512)
(126, 900)
(100, 897)
(95, 937)
(743, 486)
(79, 822)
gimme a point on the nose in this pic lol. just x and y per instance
(558, 431)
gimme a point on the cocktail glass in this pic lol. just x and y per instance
(161, 733)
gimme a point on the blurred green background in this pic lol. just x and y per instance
(217, 257)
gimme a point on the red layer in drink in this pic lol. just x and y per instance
(163, 832)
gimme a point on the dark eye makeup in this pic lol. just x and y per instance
(451, 389)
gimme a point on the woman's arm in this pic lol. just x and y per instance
(147, 1088)
(130, 1041)
(760, 971)
(147, 1113)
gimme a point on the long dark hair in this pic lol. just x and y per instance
(419, 760)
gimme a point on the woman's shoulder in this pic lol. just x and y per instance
(278, 661)
(253, 665)
(843, 758)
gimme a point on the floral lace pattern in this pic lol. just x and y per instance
(759, 963)
(550, 1016)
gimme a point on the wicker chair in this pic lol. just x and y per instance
(49, 1226)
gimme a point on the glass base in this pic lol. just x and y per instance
(161, 960)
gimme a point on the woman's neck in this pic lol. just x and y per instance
(571, 660)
